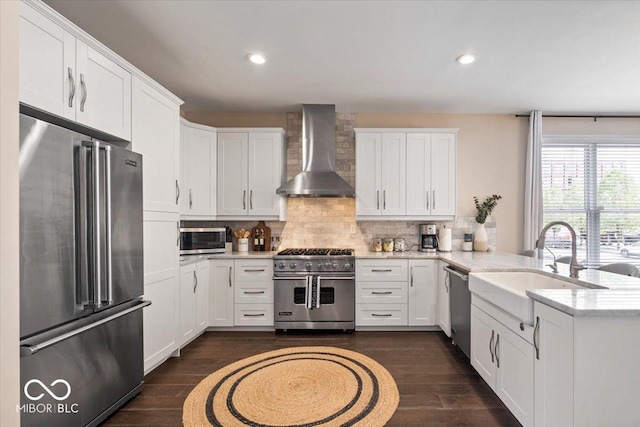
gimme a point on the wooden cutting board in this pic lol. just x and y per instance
(266, 235)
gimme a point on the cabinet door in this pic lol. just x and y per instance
(232, 173)
(186, 133)
(418, 174)
(188, 280)
(156, 135)
(265, 173)
(104, 93)
(368, 165)
(514, 374)
(196, 161)
(221, 293)
(202, 296)
(443, 174)
(483, 336)
(47, 64)
(161, 287)
(422, 292)
(393, 174)
(444, 315)
(554, 367)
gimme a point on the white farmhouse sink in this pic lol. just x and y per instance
(507, 290)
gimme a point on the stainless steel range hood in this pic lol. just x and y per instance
(318, 177)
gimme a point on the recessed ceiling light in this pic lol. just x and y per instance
(256, 58)
(465, 59)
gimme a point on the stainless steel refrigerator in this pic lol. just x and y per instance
(81, 276)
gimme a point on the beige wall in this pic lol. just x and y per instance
(9, 273)
(491, 157)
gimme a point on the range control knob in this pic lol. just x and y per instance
(347, 266)
(327, 264)
(281, 264)
(308, 266)
(334, 265)
(292, 265)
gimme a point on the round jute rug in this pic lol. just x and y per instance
(297, 386)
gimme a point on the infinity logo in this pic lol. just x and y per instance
(52, 394)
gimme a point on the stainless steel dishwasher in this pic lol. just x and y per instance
(460, 308)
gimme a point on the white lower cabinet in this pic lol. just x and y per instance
(381, 314)
(221, 283)
(194, 305)
(505, 361)
(442, 295)
(253, 292)
(382, 292)
(422, 297)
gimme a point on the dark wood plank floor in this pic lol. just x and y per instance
(438, 386)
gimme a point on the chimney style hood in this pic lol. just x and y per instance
(318, 177)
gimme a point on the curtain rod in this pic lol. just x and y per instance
(582, 116)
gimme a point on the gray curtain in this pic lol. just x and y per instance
(533, 182)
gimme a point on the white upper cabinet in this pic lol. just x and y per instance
(198, 170)
(405, 174)
(62, 75)
(156, 135)
(47, 64)
(250, 166)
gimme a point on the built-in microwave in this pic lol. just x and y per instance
(202, 240)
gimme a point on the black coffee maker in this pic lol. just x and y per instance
(428, 238)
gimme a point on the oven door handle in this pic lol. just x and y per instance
(308, 293)
(318, 292)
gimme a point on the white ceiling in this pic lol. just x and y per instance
(385, 56)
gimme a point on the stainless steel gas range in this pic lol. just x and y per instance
(314, 289)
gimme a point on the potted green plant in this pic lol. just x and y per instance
(484, 209)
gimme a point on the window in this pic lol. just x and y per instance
(593, 183)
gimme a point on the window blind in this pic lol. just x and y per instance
(593, 183)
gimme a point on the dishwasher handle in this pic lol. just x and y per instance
(464, 277)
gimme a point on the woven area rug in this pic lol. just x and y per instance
(298, 386)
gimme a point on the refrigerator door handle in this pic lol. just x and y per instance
(95, 224)
(107, 207)
(29, 350)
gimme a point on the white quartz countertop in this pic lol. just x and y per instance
(617, 295)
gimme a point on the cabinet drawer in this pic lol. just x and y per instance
(381, 292)
(253, 315)
(254, 292)
(254, 270)
(381, 315)
(369, 270)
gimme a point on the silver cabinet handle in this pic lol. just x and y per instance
(253, 315)
(433, 199)
(412, 277)
(178, 232)
(190, 199)
(251, 199)
(230, 275)
(378, 199)
(27, 349)
(195, 281)
(381, 315)
(382, 271)
(84, 92)
(253, 292)
(384, 199)
(491, 345)
(244, 199)
(427, 199)
(496, 349)
(72, 84)
(177, 192)
(381, 293)
(536, 338)
(254, 270)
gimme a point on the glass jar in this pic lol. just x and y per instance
(398, 244)
(387, 245)
(376, 244)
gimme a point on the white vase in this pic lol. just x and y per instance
(480, 239)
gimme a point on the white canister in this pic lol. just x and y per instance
(243, 245)
(444, 240)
